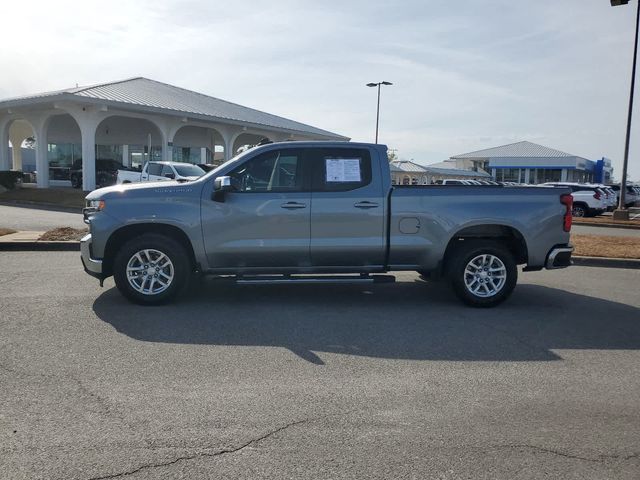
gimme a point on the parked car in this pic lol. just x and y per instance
(206, 167)
(632, 194)
(106, 172)
(318, 208)
(161, 171)
(588, 200)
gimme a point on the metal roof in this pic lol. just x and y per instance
(456, 172)
(162, 97)
(407, 166)
(411, 167)
(518, 149)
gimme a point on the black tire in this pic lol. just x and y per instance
(180, 268)
(579, 210)
(76, 181)
(102, 181)
(471, 251)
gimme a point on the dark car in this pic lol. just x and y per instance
(206, 167)
(106, 172)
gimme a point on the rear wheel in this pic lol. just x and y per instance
(151, 269)
(483, 273)
(579, 210)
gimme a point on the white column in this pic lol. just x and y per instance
(4, 146)
(167, 151)
(42, 161)
(228, 139)
(88, 132)
(526, 175)
(203, 154)
(563, 175)
(125, 156)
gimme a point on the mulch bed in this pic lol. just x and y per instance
(6, 231)
(606, 246)
(63, 234)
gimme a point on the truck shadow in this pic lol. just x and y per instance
(406, 320)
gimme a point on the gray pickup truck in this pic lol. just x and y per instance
(321, 212)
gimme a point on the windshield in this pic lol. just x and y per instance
(236, 159)
(188, 170)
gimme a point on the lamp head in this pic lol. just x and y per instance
(389, 83)
(615, 3)
(372, 84)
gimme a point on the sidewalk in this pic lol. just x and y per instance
(28, 240)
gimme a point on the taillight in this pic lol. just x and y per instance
(567, 200)
(596, 195)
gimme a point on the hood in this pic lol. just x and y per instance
(172, 188)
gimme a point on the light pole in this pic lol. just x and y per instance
(622, 213)
(378, 109)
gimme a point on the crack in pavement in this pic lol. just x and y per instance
(601, 457)
(213, 454)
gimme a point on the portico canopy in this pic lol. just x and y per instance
(137, 116)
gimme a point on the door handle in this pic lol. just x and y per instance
(365, 205)
(293, 205)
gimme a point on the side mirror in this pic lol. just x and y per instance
(170, 175)
(221, 185)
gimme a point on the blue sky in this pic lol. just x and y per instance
(467, 74)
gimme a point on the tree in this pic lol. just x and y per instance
(30, 142)
(392, 155)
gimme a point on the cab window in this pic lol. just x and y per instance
(274, 171)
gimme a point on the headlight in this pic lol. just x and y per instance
(96, 204)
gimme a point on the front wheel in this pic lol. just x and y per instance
(482, 273)
(151, 269)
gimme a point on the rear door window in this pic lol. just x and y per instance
(341, 169)
(154, 168)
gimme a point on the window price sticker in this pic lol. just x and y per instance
(343, 169)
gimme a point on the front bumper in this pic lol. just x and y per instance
(559, 257)
(92, 266)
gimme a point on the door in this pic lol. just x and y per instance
(153, 172)
(348, 209)
(264, 222)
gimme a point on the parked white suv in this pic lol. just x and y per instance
(588, 200)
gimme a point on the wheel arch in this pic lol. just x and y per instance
(511, 237)
(123, 234)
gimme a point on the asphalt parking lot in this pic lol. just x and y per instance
(390, 381)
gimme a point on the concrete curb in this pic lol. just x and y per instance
(605, 262)
(606, 225)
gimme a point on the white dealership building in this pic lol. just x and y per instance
(132, 121)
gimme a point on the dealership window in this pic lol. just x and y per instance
(508, 175)
(61, 157)
(549, 175)
(139, 155)
(533, 176)
(109, 152)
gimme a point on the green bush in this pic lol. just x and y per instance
(8, 179)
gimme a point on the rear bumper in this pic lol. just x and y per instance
(92, 266)
(559, 257)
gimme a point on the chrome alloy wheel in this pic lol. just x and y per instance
(485, 275)
(150, 272)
